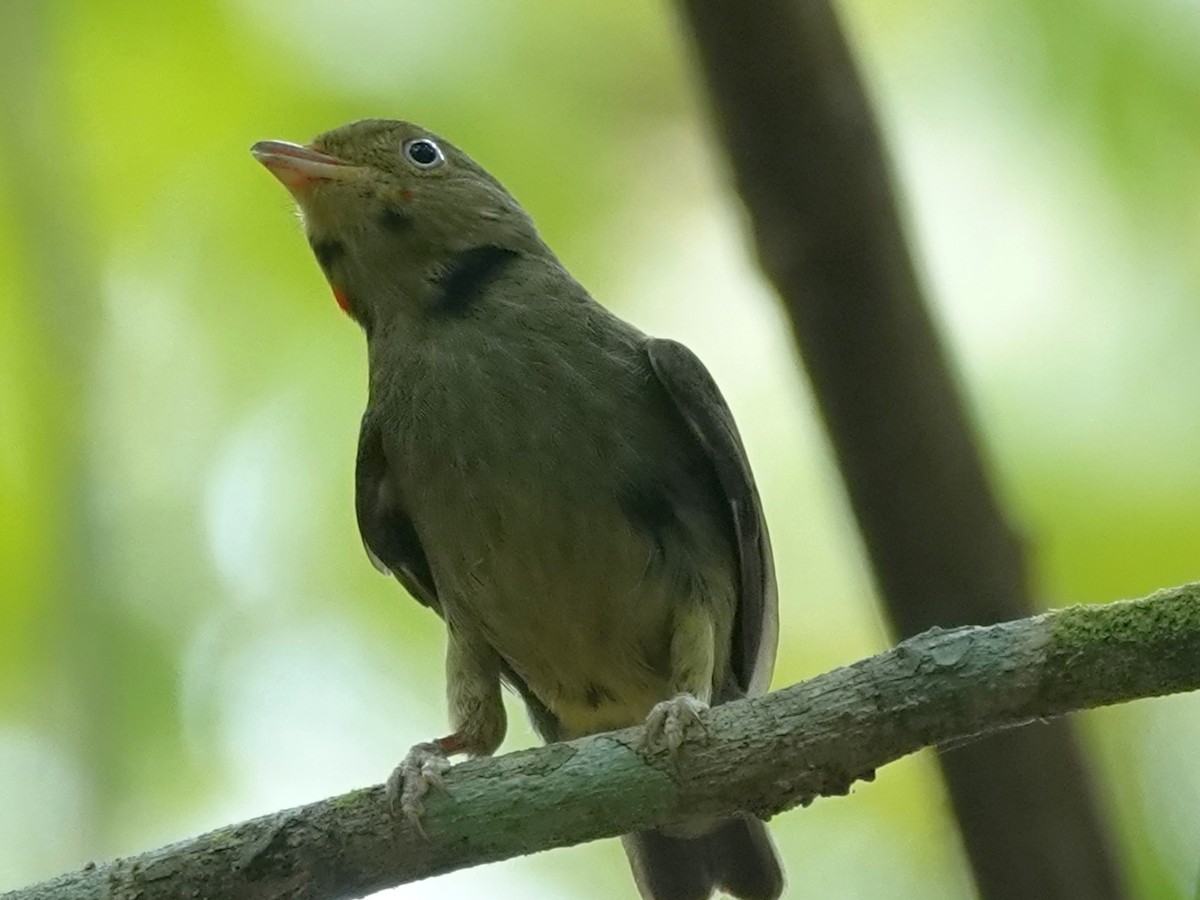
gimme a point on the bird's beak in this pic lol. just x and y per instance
(299, 167)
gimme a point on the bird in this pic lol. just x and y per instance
(570, 495)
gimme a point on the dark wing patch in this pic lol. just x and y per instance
(463, 283)
(649, 508)
(388, 534)
(699, 401)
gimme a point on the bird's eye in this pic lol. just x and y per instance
(423, 153)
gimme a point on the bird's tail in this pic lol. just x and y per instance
(736, 856)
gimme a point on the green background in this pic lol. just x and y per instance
(189, 631)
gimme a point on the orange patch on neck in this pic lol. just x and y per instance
(342, 300)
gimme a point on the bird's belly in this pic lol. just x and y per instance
(576, 603)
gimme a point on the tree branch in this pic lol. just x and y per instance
(765, 755)
(810, 165)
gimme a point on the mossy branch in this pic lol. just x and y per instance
(766, 755)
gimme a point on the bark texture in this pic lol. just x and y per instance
(766, 755)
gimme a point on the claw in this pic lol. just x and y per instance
(421, 770)
(669, 721)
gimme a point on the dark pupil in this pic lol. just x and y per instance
(422, 153)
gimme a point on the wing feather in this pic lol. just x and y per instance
(699, 401)
(388, 534)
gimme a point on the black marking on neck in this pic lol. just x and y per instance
(466, 279)
(394, 221)
(328, 252)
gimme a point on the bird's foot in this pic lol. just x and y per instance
(421, 770)
(669, 722)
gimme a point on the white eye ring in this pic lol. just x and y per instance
(423, 153)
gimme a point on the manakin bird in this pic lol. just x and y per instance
(569, 495)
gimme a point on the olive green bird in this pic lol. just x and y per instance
(570, 495)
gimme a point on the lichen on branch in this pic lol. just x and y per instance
(766, 754)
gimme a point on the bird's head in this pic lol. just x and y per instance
(389, 207)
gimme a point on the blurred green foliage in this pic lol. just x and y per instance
(189, 632)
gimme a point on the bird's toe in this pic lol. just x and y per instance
(420, 771)
(670, 721)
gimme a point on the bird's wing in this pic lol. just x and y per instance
(388, 534)
(699, 401)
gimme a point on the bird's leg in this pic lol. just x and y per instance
(692, 663)
(477, 716)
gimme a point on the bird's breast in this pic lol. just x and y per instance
(563, 514)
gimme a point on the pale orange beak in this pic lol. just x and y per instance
(298, 167)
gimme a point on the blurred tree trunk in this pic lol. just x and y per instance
(809, 163)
